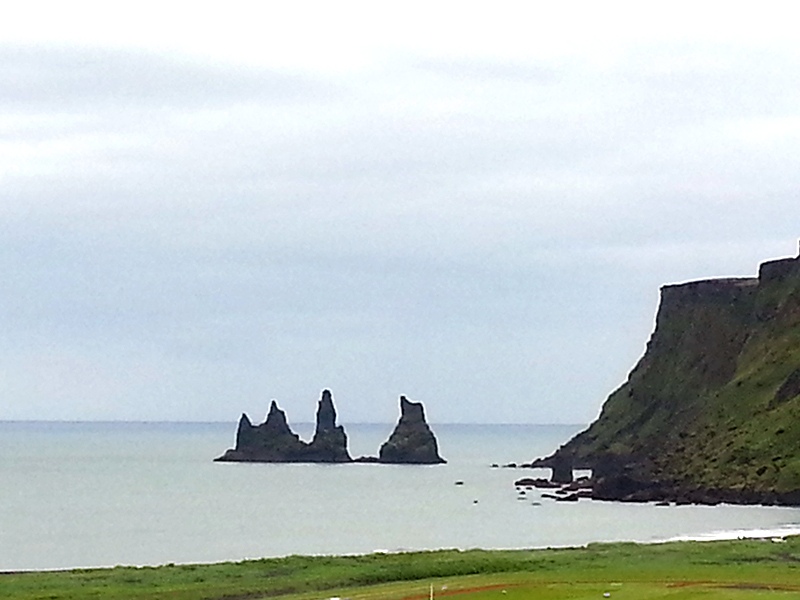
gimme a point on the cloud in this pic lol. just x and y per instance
(67, 79)
(185, 238)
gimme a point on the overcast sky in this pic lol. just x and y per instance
(204, 208)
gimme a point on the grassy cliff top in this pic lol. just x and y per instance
(715, 401)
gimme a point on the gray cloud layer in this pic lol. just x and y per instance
(185, 240)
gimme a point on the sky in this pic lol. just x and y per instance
(206, 207)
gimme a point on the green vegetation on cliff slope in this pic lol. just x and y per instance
(715, 401)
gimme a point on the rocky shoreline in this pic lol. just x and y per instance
(625, 488)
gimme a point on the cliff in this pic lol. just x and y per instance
(412, 441)
(711, 412)
(274, 441)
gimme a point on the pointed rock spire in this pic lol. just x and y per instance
(276, 423)
(330, 442)
(326, 413)
(412, 441)
(274, 440)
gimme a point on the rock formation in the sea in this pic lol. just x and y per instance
(711, 412)
(412, 441)
(330, 441)
(274, 441)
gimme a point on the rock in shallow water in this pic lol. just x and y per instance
(412, 441)
(274, 441)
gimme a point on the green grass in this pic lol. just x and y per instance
(701, 404)
(738, 569)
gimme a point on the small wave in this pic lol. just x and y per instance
(739, 534)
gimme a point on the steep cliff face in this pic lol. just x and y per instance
(412, 441)
(712, 410)
(274, 441)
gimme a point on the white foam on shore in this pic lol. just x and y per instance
(739, 534)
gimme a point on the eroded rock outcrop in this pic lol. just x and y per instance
(274, 441)
(412, 441)
(709, 414)
(330, 441)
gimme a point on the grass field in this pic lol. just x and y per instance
(741, 569)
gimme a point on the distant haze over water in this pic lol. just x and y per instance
(101, 494)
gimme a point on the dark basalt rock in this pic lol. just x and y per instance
(412, 441)
(367, 459)
(708, 414)
(274, 441)
(570, 498)
(537, 483)
(330, 441)
(562, 469)
(788, 390)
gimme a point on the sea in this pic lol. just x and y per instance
(104, 494)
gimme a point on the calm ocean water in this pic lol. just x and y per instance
(101, 494)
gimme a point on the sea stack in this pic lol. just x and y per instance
(330, 441)
(274, 441)
(412, 441)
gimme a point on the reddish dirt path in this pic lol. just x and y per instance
(741, 585)
(485, 588)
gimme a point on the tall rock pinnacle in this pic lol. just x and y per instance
(330, 442)
(412, 441)
(274, 441)
(326, 414)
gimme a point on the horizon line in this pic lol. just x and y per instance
(171, 422)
